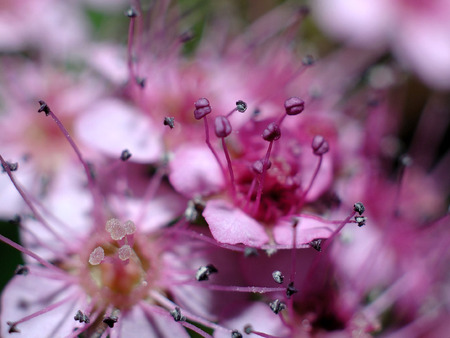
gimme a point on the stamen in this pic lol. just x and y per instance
(29, 253)
(22, 270)
(316, 244)
(44, 107)
(116, 230)
(278, 277)
(169, 121)
(13, 166)
(203, 108)
(27, 200)
(204, 272)
(132, 14)
(222, 128)
(125, 155)
(320, 147)
(97, 256)
(276, 306)
(359, 208)
(290, 290)
(294, 106)
(236, 334)
(361, 220)
(130, 227)
(81, 317)
(176, 314)
(13, 325)
(125, 252)
(196, 330)
(110, 320)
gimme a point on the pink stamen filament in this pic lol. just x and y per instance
(250, 192)
(261, 180)
(326, 245)
(230, 169)
(130, 50)
(27, 200)
(231, 112)
(45, 310)
(290, 300)
(170, 305)
(231, 288)
(208, 142)
(196, 329)
(150, 193)
(316, 171)
(261, 334)
(30, 253)
(91, 184)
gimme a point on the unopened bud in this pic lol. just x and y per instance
(294, 106)
(319, 145)
(272, 132)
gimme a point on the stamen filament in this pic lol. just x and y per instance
(230, 169)
(208, 142)
(45, 310)
(261, 180)
(27, 200)
(29, 253)
(196, 330)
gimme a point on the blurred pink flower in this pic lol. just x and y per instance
(415, 30)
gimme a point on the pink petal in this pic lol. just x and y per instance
(36, 293)
(308, 229)
(154, 323)
(231, 225)
(198, 163)
(258, 315)
(112, 126)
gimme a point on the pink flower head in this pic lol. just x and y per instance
(271, 171)
(110, 275)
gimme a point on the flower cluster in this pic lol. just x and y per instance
(214, 181)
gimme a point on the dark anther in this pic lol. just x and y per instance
(316, 244)
(222, 126)
(256, 112)
(194, 209)
(91, 169)
(250, 252)
(81, 317)
(141, 82)
(319, 145)
(15, 220)
(176, 314)
(44, 108)
(258, 166)
(294, 105)
(359, 208)
(13, 166)
(12, 327)
(278, 277)
(22, 270)
(406, 160)
(110, 321)
(290, 290)
(308, 60)
(277, 306)
(203, 272)
(169, 121)
(248, 329)
(241, 106)
(202, 108)
(272, 132)
(361, 220)
(131, 12)
(236, 334)
(125, 155)
(186, 36)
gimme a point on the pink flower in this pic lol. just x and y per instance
(270, 170)
(415, 31)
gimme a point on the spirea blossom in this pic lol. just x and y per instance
(209, 176)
